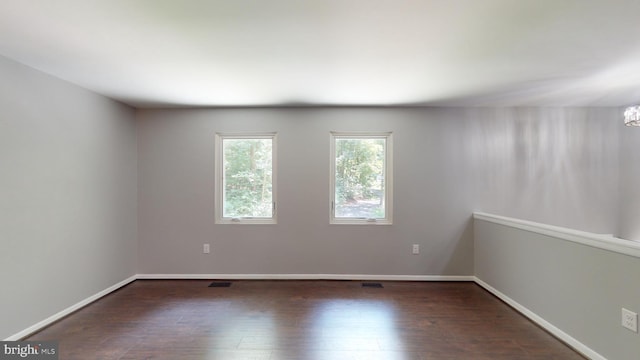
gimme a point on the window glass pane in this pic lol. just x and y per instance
(247, 177)
(359, 178)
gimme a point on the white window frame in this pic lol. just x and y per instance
(219, 178)
(388, 176)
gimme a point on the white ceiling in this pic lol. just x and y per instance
(152, 53)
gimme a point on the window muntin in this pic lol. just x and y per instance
(245, 173)
(361, 178)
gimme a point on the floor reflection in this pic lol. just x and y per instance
(353, 327)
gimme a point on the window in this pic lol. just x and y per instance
(361, 178)
(245, 177)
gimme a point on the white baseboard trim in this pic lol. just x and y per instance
(55, 317)
(309, 277)
(577, 345)
(568, 339)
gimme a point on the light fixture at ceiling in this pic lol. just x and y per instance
(632, 116)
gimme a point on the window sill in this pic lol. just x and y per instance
(247, 221)
(347, 221)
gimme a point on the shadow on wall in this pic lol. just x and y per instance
(556, 166)
(461, 251)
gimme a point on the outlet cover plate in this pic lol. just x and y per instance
(630, 320)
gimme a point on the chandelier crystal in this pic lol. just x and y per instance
(632, 116)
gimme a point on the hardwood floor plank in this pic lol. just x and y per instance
(186, 319)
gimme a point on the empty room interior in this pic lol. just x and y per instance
(337, 179)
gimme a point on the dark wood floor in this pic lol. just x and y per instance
(186, 319)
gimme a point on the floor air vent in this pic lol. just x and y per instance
(220, 284)
(371, 285)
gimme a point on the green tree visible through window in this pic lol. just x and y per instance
(247, 177)
(359, 177)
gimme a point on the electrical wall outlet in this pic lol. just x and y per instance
(629, 320)
(416, 249)
(206, 249)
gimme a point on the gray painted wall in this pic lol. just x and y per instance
(629, 209)
(432, 199)
(577, 288)
(558, 166)
(67, 195)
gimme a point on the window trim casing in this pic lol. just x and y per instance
(219, 178)
(388, 175)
